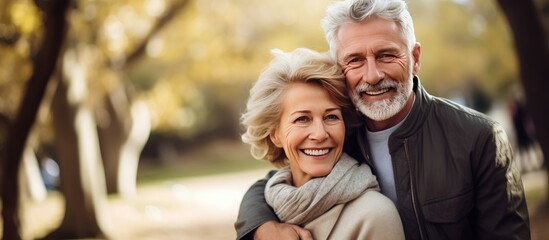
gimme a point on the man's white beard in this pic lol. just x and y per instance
(386, 108)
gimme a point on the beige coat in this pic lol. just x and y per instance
(370, 216)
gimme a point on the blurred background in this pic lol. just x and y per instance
(120, 119)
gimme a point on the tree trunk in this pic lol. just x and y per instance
(44, 65)
(122, 137)
(124, 132)
(113, 130)
(532, 47)
(30, 178)
(131, 150)
(81, 170)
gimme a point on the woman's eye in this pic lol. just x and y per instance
(302, 119)
(332, 117)
(355, 62)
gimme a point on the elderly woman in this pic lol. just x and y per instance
(296, 119)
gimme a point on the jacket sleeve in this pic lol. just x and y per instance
(500, 202)
(254, 210)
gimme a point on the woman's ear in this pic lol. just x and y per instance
(274, 139)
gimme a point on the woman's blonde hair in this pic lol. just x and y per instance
(264, 105)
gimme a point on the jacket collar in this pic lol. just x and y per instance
(417, 114)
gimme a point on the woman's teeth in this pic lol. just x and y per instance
(316, 152)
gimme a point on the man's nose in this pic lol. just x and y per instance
(372, 72)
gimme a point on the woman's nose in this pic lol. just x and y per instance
(318, 131)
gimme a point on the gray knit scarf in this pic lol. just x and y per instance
(347, 181)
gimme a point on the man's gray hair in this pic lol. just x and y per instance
(358, 11)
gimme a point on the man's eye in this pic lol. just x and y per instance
(386, 57)
(354, 63)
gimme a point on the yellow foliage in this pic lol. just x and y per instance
(26, 17)
(227, 43)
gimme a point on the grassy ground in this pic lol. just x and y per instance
(215, 158)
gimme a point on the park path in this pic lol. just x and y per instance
(191, 208)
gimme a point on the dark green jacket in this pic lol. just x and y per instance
(454, 171)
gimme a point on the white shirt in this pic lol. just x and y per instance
(379, 147)
(381, 158)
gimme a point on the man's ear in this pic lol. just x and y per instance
(416, 52)
(274, 139)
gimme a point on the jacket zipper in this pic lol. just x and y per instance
(412, 188)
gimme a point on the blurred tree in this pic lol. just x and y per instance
(197, 71)
(82, 173)
(19, 129)
(464, 42)
(94, 163)
(220, 43)
(125, 126)
(74, 113)
(531, 39)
